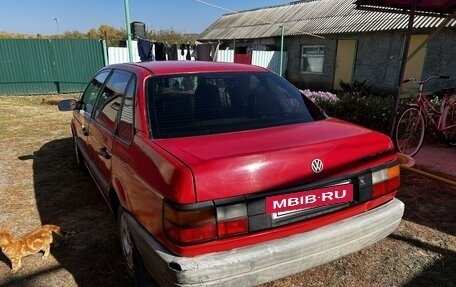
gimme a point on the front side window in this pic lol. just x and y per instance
(91, 92)
(312, 58)
(201, 104)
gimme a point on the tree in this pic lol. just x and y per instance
(112, 35)
(170, 35)
(74, 35)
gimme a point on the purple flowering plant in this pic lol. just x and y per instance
(320, 96)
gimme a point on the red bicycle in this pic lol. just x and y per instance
(411, 124)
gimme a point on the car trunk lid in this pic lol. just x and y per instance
(249, 162)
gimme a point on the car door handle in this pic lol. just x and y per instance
(85, 131)
(105, 153)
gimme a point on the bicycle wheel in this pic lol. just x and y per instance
(409, 131)
(449, 124)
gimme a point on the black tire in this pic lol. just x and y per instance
(449, 125)
(133, 261)
(409, 131)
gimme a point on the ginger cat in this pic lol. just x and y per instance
(35, 241)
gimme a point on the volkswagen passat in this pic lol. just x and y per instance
(226, 174)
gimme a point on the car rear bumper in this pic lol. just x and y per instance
(259, 263)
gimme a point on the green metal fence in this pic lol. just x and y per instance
(48, 66)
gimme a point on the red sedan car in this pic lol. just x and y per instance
(225, 174)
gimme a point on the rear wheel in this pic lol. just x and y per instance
(449, 125)
(126, 242)
(409, 131)
(132, 258)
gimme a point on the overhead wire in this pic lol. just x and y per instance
(259, 19)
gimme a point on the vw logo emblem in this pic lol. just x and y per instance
(317, 165)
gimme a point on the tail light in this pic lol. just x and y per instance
(385, 181)
(232, 220)
(191, 225)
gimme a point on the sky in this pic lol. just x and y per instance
(49, 17)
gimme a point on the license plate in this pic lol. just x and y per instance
(284, 204)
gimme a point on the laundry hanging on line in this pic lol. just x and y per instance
(185, 50)
(161, 51)
(206, 51)
(145, 50)
(172, 52)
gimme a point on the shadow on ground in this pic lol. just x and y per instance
(66, 196)
(430, 203)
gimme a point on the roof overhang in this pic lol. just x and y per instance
(436, 8)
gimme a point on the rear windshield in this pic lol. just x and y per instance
(203, 104)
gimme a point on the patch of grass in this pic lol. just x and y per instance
(41, 184)
(23, 119)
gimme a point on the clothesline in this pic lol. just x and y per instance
(161, 51)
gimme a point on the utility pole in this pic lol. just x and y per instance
(127, 23)
(281, 49)
(57, 24)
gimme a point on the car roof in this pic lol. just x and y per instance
(182, 67)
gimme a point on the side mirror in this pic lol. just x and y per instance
(67, 105)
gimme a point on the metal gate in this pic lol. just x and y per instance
(48, 66)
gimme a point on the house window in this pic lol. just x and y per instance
(312, 59)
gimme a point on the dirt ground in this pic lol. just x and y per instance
(40, 184)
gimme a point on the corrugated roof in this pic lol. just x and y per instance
(320, 17)
(425, 7)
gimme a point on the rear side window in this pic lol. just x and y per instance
(126, 124)
(109, 102)
(200, 104)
